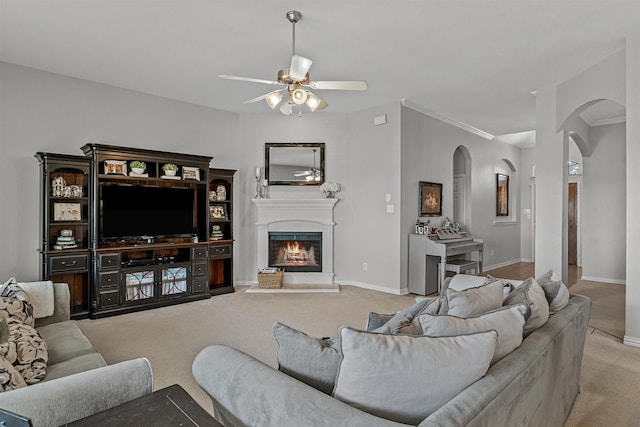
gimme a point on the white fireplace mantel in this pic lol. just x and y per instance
(310, 215)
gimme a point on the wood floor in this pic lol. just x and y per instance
(524, 270)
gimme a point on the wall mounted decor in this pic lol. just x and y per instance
(430, 199)
(502, 194)
(294, 163)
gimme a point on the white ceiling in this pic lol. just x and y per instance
(475, 62)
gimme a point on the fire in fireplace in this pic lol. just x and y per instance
(296, 251)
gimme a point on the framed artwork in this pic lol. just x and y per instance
(115, 167)
(189, 172)
(430, 199)
(502, 194)
(66, 212)
(218, 212)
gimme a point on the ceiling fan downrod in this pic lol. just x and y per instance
(294, 16)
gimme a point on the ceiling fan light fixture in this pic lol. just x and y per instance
(299, 67)
(273, 99)
(299, 96)
(286, 108)
(314, 103)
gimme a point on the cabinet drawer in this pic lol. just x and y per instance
(106, 280)
(67, 263)
(199, 253)
(199, 268)
(219, 251)
(110, 260)
(200, 285)
(109, 299)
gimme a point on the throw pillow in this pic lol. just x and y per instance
(15, 304)
(41, 296)
(473, 301)
(531, 294)
(26, 351)
(376, 320)
(555, 291)
(314, 361)
(508, 322)
(10, 379)
(4, 330)
(406, 321)
(405, 378)
(460, 282)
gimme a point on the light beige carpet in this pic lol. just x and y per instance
(170, 338)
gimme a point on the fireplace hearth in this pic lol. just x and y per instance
(296, 251)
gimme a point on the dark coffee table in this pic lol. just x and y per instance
(171, 406)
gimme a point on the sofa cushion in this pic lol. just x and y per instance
(15, 304)
(508, 322)
(314, 361)
(531, 294)
(405, 378)
(74, 366)
(65, 341)
(555, 291)
(473, 301)
(41, 297)
(10, 378)
(406, 321)
(26, 351)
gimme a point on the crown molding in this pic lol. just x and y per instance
(449, 120)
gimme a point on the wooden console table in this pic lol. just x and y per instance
(171, 406)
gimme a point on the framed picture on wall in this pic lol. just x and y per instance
(502, 194)
(430, 199)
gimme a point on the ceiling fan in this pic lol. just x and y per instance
(311, 174)
(297, 83)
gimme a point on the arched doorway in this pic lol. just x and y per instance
(462, 187)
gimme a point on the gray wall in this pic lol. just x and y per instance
(603, 210)
(527, 161)
(47, 112)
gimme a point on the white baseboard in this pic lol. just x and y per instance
(500, 265)
(525, 260)
(631, 341)
(604, 280)
(403, 291)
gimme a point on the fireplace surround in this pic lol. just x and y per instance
(297, 217)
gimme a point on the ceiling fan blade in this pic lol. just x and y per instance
(249, 79)
(339, 85)
(299, 67)
(261, 97)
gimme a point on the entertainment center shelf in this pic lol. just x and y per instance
(129, 234)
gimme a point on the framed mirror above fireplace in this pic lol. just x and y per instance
(294, 163)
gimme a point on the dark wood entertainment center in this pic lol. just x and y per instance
(88, 242)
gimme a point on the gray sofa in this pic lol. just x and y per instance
(78, 382)
(535, 385)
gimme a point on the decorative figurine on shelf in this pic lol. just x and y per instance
(330, 189)
(258, 176)
(58, 184)
(221, 193)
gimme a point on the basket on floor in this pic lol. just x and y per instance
(270, 280)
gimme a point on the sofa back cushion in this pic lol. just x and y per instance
(314, 361)
(555, 291)
(406, 321)
(473, 301)
(532, 295)
(508, 322)
(405, 378)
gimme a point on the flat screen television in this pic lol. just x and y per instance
(134, 211)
